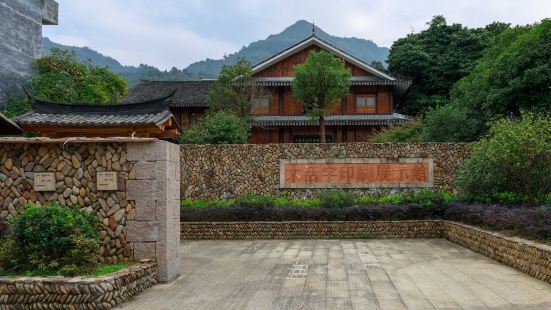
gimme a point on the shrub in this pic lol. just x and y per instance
(254, 201)
(56, 239)
(515, 158)
(336, 199)
(5, 230)
(219, 127)
(409, 132)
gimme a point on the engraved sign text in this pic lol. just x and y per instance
(356, 173)
(107, 181)
(44, 182)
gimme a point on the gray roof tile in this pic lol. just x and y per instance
(186, 93)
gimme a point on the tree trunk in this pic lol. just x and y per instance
(322, 129)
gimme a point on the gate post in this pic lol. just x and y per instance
(154, 186)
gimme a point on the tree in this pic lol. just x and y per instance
(451, 123)
(59, 77)
(218, 127)
(513, 75)
(435, 58)
(235, 89)
(323, 80)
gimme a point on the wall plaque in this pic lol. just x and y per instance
(44, 182)
(356, 173)
(107, 181)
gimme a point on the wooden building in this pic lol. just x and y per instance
(280, 118)
(150, 119)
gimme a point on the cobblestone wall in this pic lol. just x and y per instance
(310, 230)
(102, 292)
(75, 167)
(225, 171)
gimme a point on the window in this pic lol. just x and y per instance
(261, 103)
(260, 106)
(366, 103)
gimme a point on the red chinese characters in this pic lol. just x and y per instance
(355, 173)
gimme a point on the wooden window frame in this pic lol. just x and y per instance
(365, 109)
(257, 106)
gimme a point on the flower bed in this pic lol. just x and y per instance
(523, 221)
(103, 292)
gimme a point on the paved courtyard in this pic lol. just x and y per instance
(342, 274)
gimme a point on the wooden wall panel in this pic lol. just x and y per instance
(291, 105)
(383, 100)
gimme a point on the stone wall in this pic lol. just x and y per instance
(21, 40)
(225, 171)
(139, 220)
(102, 292)
(523, 255)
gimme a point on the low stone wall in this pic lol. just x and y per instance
(226, 171)
(523, 255)
(310, 230)
(102, 292)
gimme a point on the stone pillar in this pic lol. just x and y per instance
(155, 232)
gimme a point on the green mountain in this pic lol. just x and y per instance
(254, 53)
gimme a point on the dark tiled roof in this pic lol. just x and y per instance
(331, 120)
(152, 113)
(8, 127)
(186, 93)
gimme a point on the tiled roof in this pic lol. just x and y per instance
(331, 120)
(152, 113)
(185, 93)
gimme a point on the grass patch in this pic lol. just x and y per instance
(100, 271)
(106, 269)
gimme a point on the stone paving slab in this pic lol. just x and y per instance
(342, 274)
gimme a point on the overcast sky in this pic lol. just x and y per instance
(176, 33)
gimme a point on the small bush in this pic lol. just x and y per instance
(336, 199)
(515, 158)
(255, 201)
(219, 127)
(409, 132)
(55, 239)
